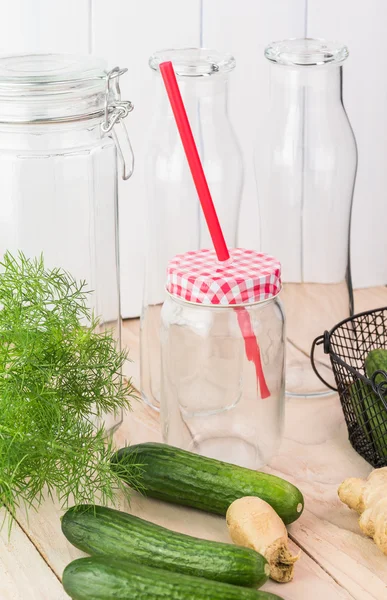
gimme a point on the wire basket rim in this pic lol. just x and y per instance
(354, 317)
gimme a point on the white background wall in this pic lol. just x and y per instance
(126, 32)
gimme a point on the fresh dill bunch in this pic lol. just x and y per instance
(58, 374)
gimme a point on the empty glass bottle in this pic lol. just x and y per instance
(175, 220)
(306, 160)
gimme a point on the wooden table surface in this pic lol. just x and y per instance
(337, 561)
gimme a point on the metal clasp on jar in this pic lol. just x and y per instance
(115, 111)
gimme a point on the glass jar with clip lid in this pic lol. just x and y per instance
(62, 143)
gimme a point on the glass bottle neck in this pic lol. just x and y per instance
(321, 84)
(210, 93)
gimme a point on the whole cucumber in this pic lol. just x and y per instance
(376, 360)
(101, 531)
(368, 407)
(100, 578)
(178, 476)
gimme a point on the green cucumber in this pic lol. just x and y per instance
(101, 578)
(358, 392)
(181, 477)
(370, 413)
(376, 360)
(106, 532)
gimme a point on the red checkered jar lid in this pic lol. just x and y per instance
(247, 277)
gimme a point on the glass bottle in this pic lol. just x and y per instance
(175, 220)
(60, 132)
(305, 164)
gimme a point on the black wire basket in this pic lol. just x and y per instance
(364, 400)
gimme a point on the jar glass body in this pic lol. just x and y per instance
(59, 198)
(305, 163)
(175, 221)
(210, 402)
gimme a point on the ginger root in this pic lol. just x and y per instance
(369, 498)
(253, 523)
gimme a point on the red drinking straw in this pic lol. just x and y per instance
(251, 345)
(169, 77)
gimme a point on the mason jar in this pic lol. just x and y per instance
(61, 135)
(222, 355)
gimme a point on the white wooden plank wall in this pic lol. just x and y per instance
(44, 26)
(245, 27)
(361, 25)
(133, 30)
(126, 32)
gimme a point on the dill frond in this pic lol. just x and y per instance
(58, 374)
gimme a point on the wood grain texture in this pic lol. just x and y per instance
(142, 425)
(353, 561)
(369, 298)
(24, 575)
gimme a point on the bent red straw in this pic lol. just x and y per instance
(251, 345)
